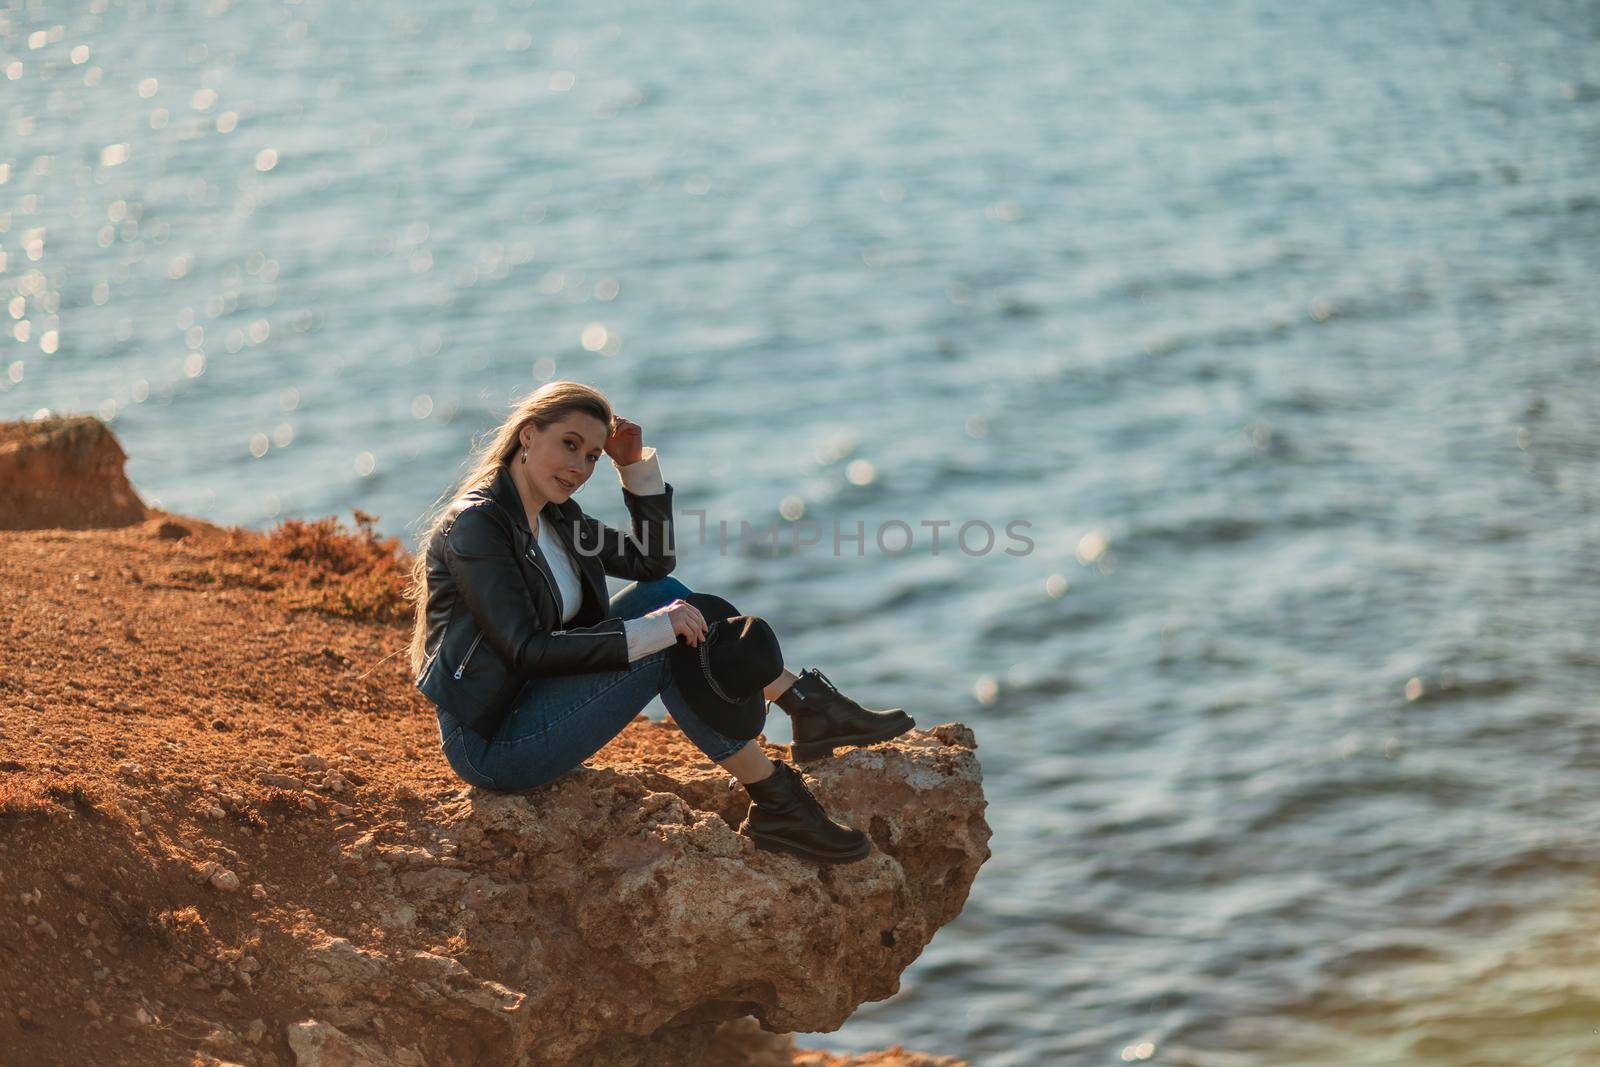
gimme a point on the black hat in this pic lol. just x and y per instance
(723, 677)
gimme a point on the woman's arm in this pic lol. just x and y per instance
(643, 476)
(648, 553)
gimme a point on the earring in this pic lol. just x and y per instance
(524, 455)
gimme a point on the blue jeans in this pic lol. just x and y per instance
(559, 721)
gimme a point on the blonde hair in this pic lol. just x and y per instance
(550, 403)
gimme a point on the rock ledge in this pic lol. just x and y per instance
(227, 835)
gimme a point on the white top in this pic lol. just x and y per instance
(569, 585)
(645, 635)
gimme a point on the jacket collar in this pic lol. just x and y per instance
(559, 517)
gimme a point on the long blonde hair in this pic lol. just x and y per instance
(547, 404)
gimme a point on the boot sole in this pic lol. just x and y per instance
(811, 751)
(778, 844)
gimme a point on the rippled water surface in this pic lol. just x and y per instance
(1278, 324)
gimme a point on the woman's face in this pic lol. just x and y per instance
(561, 457)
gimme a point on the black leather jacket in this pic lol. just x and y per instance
(493, 611)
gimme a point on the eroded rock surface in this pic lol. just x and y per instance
(64, 473)
(227, 835)
(601, 920)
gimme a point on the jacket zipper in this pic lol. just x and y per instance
(533, 558)
(468, 657)
(475, 641)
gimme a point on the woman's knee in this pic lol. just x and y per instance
(641, 597)
(669, 586)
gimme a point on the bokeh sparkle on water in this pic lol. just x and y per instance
(1278, 323)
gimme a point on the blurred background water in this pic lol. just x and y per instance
(1278, 324)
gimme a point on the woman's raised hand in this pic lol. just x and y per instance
(625, 444)
(687, 622)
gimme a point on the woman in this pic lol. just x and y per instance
(533, 668)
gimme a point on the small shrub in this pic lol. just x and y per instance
(18, 803)
(353, 573)
(30, 798)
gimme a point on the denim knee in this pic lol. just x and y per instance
(643, 597)
(669, 584)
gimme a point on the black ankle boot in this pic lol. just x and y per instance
(825, 718)
(785, 817)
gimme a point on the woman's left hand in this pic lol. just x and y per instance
(626, 443)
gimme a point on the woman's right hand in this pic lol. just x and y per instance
(687, 622)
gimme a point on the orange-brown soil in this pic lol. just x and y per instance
(194, 723)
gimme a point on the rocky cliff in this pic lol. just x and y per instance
(227, 835)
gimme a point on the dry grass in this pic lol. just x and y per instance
(322, 565)
(21, 800)
(29, 797)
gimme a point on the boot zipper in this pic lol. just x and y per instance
(468, 657)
